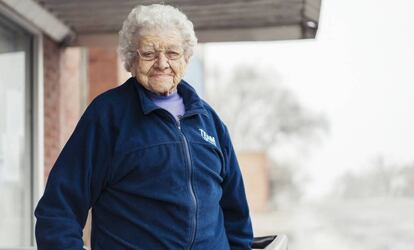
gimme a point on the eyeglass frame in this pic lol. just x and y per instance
(157, 54)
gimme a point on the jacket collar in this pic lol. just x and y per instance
(192, 102)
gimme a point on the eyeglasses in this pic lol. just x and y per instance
(150, 55)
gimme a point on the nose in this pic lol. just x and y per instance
(162, 62)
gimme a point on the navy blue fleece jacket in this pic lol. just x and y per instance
(152, 182)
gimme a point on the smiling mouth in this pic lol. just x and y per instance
(161, 75)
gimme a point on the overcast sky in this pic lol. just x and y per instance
(359, 73)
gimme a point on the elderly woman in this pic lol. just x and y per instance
(153, 160)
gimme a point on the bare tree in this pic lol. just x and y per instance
(381, 178)
(260, 111)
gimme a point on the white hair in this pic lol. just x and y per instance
(153, 17)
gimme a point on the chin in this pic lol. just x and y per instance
(161, 90)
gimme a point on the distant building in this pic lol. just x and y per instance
(256, 176)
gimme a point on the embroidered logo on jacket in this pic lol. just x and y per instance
(207, 138)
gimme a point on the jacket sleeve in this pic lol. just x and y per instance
(73, 185)
(233, 202)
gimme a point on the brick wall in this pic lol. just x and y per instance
(102, 70)
(52, 93)
(71, 104)
(62, 97)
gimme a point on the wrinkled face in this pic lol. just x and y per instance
(160, 63)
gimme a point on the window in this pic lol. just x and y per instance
(16, 164)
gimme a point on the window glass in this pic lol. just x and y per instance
(15, 142)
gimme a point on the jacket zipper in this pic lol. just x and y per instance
(190, 184)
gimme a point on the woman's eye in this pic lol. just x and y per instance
(148, 54)
(173, 53)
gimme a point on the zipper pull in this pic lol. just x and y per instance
(179, 122)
